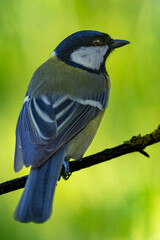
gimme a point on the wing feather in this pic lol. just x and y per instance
(44, 125)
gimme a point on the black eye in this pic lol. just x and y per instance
(97, 42)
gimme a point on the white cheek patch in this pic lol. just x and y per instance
(90, 57)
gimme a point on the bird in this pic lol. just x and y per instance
(62, 110)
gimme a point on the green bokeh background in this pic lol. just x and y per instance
(115, 200)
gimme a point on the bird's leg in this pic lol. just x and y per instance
(65, 171)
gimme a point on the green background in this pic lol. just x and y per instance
(115, 200)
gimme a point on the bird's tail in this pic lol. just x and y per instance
(36, 201)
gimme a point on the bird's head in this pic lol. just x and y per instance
(87, 49)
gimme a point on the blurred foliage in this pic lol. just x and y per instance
(117, 200)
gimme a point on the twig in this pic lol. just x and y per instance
(135, 144)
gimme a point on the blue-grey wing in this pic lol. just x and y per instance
(44, 125)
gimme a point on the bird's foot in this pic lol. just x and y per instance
(65, 172)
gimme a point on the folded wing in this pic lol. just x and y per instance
(44, 125)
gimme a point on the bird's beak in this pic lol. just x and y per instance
(118, 43)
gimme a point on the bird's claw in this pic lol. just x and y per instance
(65, 172)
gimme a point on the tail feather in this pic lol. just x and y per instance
(36, 201)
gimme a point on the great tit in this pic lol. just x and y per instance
(63, 107)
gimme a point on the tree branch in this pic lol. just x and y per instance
(135, 144)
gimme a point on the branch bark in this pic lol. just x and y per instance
(135, 144)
